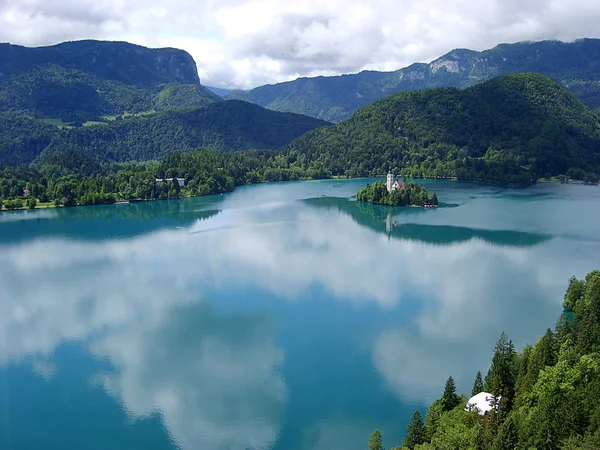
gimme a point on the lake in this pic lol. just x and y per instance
(281, 316)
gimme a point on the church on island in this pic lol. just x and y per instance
(393, 183)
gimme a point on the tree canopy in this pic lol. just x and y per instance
(554, 404)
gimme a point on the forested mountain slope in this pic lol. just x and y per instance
(509, 130)
(573, 65)
(223, 126)
(86, 80)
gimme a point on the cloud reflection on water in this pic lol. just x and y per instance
(134, 302)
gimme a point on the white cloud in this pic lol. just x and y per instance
(239, 43)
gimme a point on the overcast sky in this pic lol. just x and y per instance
(246, 43)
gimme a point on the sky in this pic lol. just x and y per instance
(248, 43)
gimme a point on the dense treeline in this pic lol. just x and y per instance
(75, 178)
(546, 395)
(510, 130)
(411, 194)
(223, 126)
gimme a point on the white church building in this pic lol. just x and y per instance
(393, 183)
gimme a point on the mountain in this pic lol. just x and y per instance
(223, 126)
(573, 65)
(221, 92)
(509, 130)
(89, 80)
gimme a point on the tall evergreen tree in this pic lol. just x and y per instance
(450, 399)
(574, 293)
(477, 384)
(534, 360)
(415, 431)
(375, 442)
(587, 315)
(500, 380)
(562, 329)
(521, 383)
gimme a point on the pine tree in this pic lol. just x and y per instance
(477, 384)
(415, 431)
(500, 380)
(522, 383)
(562, 329)
(450, 399)
(375, 442)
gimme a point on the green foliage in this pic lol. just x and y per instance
(222, 126)
(85, 80)
(510, 130)
(71, 178)
(574, 293)
(375, 442)
(557, 390)
(477, 384)
(501, 377)
(415, 431)
(507, 437)
(450, 398)
(336, 98)
(411, 194)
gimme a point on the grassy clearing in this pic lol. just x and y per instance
(128, 114)
(57, 122)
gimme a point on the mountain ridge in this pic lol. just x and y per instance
(79, 81)
(335, 98)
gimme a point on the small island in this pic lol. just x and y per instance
(397, 193)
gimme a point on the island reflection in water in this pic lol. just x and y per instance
(215, 324)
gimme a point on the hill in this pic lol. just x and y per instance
(80, 81)
(223, 126)
(573, 65)
(509, 130)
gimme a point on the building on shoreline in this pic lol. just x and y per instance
(180, 181)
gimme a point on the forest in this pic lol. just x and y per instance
(544, 397)
(73, 178)
(511, 130)
(221, 126)
(410, 194)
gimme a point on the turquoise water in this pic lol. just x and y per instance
(281, 316)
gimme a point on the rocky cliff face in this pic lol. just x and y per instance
(116, 61)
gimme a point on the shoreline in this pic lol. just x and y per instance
(50, 205)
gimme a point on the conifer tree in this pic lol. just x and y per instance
(500, 380)
(477, 384)
(375, 442)
(521, 383)
(450, 399)
(415, 431)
